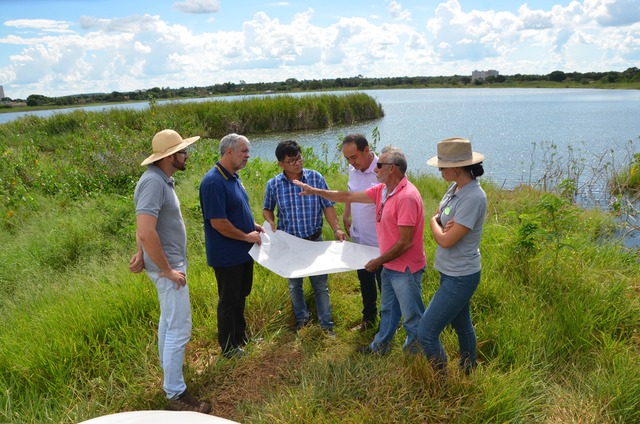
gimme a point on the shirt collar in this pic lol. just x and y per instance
(223, 171)
(167, 179)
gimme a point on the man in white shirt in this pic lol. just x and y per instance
(360, 219)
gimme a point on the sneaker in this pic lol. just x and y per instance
(186, 402)
(301, 324)
(236, 352)
(329, 332)
(365, 350)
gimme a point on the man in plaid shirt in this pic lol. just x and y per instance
(301, 216)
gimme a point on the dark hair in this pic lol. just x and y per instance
(287, 148)
(360, 141)
(476, 170)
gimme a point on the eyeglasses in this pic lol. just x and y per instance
(381, 207)
(379, 164)
(182, 152)
(298, 159)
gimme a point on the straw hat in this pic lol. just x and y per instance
(455, 152)
(166, 143)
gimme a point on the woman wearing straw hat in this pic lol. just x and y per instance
(457, 229)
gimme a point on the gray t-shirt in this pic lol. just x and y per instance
(154, 195)
(468, 207)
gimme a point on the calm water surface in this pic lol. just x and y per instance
(514, 128)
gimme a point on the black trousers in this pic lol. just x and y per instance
(234, 285)
(369, 287)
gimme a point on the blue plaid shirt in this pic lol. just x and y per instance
(297, 215)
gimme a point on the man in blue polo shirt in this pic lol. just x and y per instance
(301, 217)
(230, 231)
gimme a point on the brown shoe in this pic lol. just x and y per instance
(364, 326)
(186, 402)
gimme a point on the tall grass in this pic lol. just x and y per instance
(557, 312)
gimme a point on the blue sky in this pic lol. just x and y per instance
(63, 47)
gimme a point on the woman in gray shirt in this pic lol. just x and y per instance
(457, 229)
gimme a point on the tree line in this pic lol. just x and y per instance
(631, 75)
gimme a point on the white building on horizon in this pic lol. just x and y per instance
(483, 74)
(1, 93)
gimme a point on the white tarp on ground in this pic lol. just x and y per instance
(293, 257)
(158, 417)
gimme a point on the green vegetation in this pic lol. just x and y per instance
(557, 312)
(628, 179)
(629, 79)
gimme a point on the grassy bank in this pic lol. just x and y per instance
(557, 312)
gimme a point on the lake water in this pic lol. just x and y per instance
(513, 128)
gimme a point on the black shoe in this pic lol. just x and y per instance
(186, 402)
(365, 350)
(236, 352)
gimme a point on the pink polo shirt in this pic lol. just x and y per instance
(403, 207)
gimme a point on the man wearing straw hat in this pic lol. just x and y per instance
(162, 252)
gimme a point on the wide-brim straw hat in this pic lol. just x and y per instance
(455, 152)
(166, 143)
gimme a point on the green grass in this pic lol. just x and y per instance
(557, 312)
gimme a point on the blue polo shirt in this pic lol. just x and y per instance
(222, 196)
(297, 215)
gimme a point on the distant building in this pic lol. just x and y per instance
(483, 74)
(1, 93)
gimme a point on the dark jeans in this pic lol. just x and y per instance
(234, 285)
(369, 287)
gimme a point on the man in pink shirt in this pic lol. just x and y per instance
(399, 228)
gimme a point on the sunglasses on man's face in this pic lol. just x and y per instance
(380, 164)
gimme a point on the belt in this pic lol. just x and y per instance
(314, 236)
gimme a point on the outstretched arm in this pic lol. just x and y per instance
(334, 195)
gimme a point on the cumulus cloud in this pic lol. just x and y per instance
(132, 52)
(396, 10)
(616, 12)
(198, 6)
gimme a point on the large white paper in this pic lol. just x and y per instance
(293, 257)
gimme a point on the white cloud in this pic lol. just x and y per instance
(47, 25)
(198, 6)
(133, 52)
(396, 10)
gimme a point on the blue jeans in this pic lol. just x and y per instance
(450, 305)
(400, 296)
(321, 293)
(174, 330)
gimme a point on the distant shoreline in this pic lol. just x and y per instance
(22, 107)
